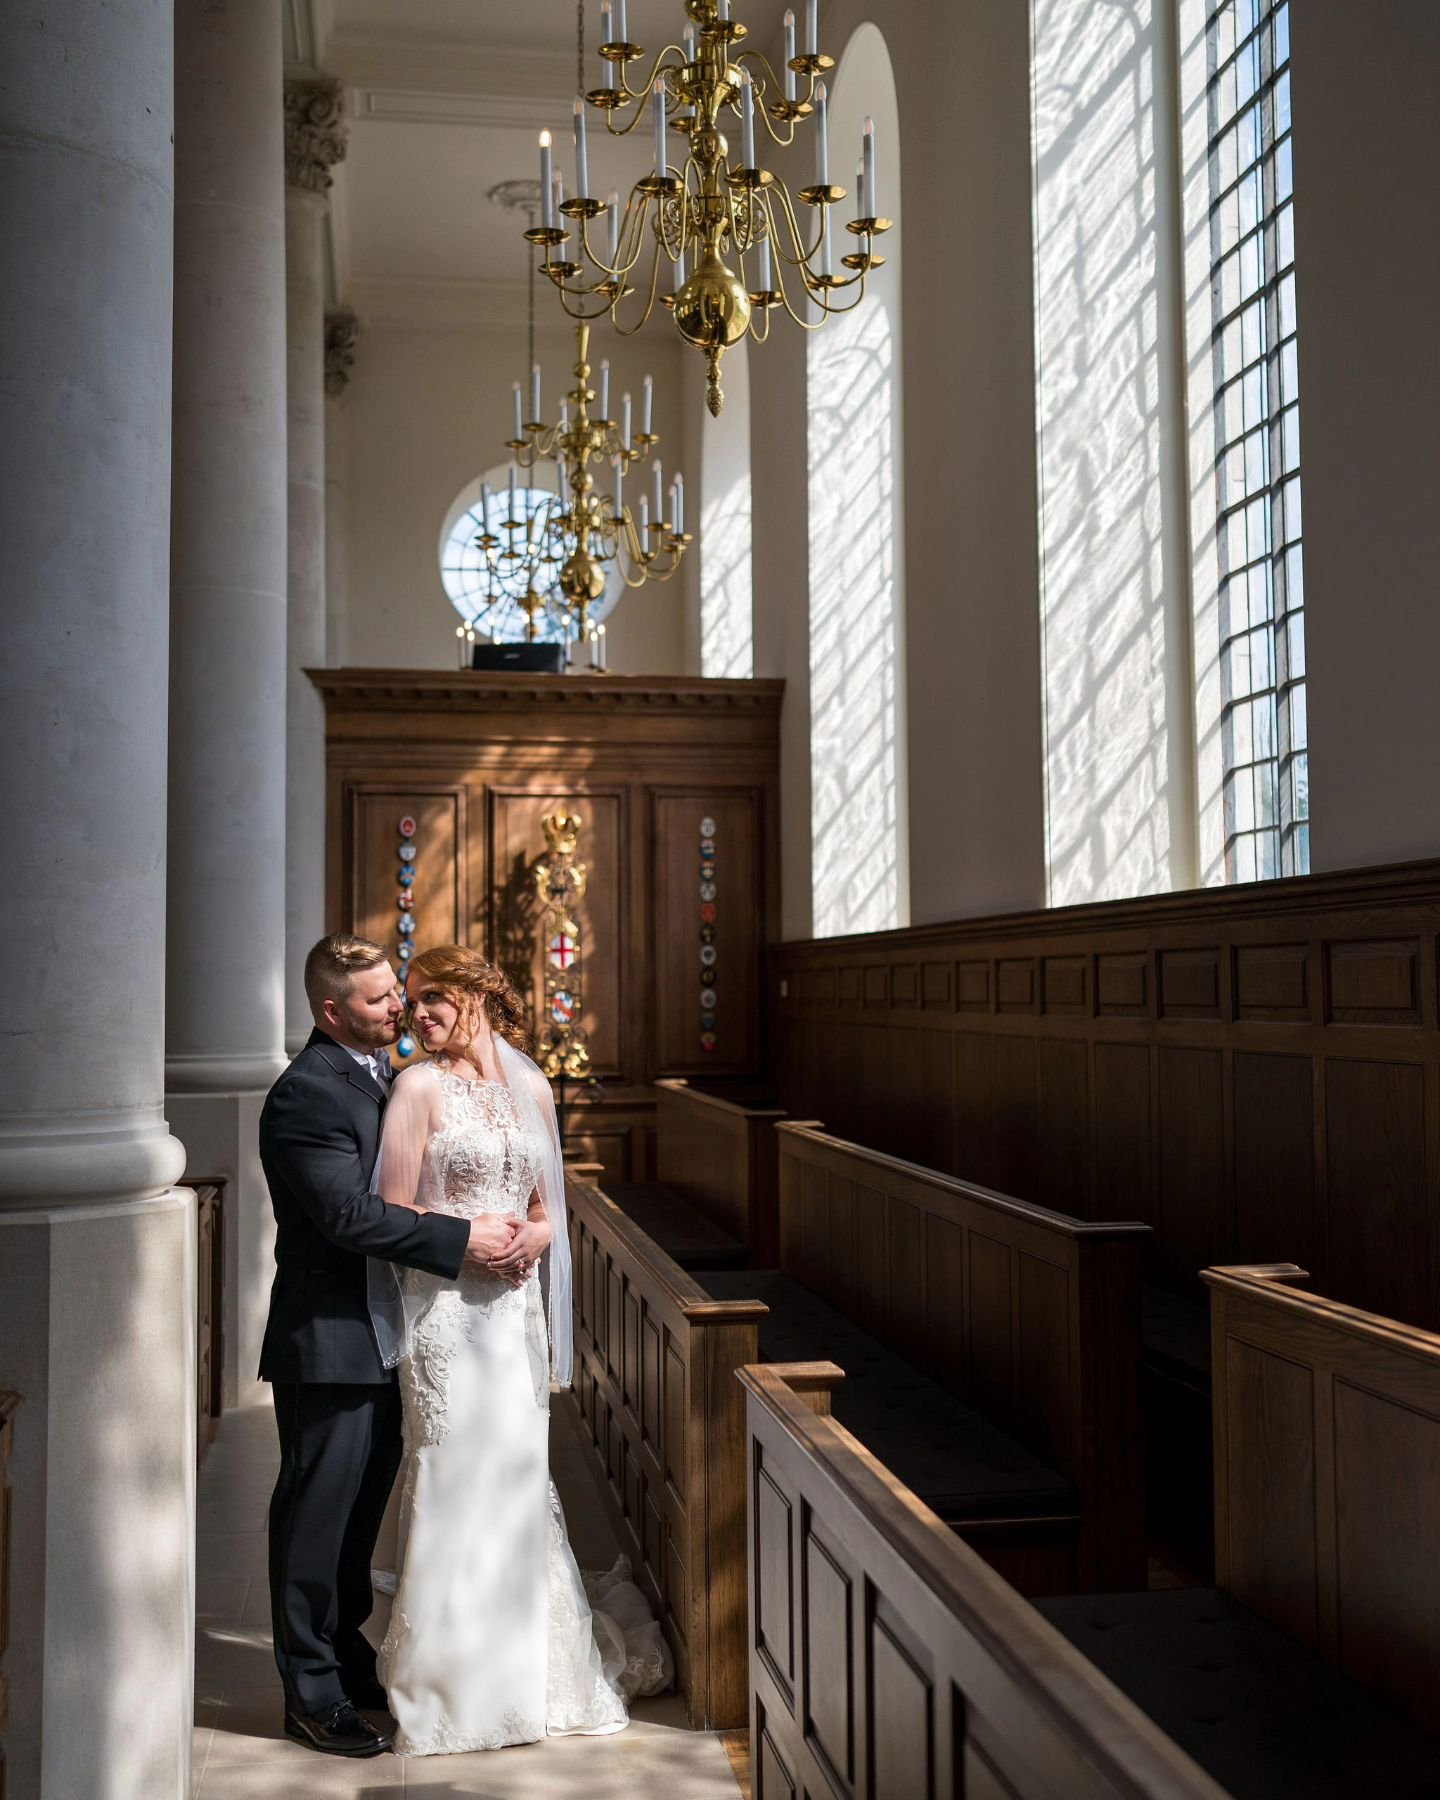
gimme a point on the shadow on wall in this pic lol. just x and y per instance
(854, 751)
(727, 636)
(1099, 407)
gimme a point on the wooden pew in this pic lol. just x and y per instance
(1029, 1316)
(9, 1406)
(1327, 1486)
(887, 1659)
(714, 1202)
(655, 1361)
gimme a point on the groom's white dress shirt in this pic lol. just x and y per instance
(378, 1064)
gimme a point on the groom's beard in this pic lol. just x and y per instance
(371, 1036)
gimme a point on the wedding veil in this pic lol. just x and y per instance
(395, 1312)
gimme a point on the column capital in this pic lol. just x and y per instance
(341, 330)
(314, 133)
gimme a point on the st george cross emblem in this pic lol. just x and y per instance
(563, 950)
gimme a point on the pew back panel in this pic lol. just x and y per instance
(722, 1157)
(655, 1362)
(1030, 1316)
(1327, 1473)
(887, 1659)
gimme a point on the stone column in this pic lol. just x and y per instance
(314, 143)
(97, 1246)
(341, 331)
(225, 973)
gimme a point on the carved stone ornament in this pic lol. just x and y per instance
(341, 331)
(314, 133)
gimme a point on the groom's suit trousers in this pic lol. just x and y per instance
(340, 1447)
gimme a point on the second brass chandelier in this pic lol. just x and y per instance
(692, 214)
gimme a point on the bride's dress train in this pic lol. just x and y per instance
(493, 1638)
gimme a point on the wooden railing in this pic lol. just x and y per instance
(721, 1156)
(1031, 1317)
(9, 1406)
(1253, 1071)
(887, 1659)
(655, 1362)
(209, 1310)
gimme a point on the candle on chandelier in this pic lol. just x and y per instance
(564, 415)
(657, 109)
(512, 514)
(607, 21)
(747, 119)
(649, 412)
(677, 488)
(622, 31)
(789, 55)
(619, 490)
(485, 507)
(625, 420)
(519, 430)
(869, 197)
(600, 641)
(614, 218)
(605, 388)
(644, 520)
(535, 413)
(687, 38)
(659, 495)
(724, 12)
(547, 196)
(582, 151)
(767, 274)
(558, 199)
(822, 136)
(812, 27)
(679, 271)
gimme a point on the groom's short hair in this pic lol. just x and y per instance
(334, 961)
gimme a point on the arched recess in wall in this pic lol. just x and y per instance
(858, 812)
(727, 635)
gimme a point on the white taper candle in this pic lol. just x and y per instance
(535, 413)
(870, 209)
(822, 136)
(547, 196)
(605, 388)
(679, 487)
(519, 430)
(622, 30)
(614, 217)
(512, 513)
(649, 412)
(812, 27)
(485, 507)
(659, 494)
(657, 112)
(747, 119)
(644, 521)
(607, 21)
(625, 417)
(789, 55)
(582, 151)
(767, 274)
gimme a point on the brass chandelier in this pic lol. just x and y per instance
(585, 531)
(695, 213)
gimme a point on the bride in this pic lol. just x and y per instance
(491, 1638)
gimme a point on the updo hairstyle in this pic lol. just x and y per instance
(464, 976)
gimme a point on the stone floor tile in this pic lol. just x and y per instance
(308, 1777)
(220, 1599)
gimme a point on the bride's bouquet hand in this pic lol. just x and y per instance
(517, 1262)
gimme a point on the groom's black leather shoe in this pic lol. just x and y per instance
(338, 1731)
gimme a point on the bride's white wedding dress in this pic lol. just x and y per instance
(491, 1640)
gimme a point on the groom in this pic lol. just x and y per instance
(336, 1405)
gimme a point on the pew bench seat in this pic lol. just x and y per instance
(677, 1225)
(963, 1467)
(1267, 1718)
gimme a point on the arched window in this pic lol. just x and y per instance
(859, 836)
(484, 596)
(727, 636)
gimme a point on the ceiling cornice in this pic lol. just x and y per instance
(432, 66)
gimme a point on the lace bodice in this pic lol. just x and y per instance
(480, 1159)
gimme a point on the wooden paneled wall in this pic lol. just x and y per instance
(1327, 1474)
(1254, 1072)
(887, 1660)
(478, 760)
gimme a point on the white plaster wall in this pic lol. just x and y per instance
(428, 410)
(1110, 433)
(1367, 249)
(972, 688)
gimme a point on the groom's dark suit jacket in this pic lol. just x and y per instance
(319, 1135)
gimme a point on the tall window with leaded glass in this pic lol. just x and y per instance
(1257, 435)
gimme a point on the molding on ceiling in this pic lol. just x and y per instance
(401, 64)
(407, 106)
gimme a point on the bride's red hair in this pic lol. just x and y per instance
(466, 977)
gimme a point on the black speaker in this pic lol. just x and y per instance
(523, 659)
